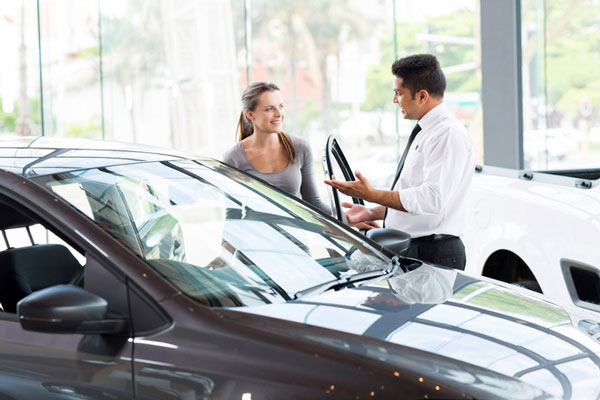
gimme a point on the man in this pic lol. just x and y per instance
(428, 198)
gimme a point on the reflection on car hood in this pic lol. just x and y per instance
(475, 322)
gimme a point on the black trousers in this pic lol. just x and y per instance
(445, 250)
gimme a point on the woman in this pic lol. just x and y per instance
(263, 150)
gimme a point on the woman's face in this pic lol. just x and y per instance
(268, 115)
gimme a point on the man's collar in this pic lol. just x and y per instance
(430, 118)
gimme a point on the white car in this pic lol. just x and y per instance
(552, 145)
(540, 230)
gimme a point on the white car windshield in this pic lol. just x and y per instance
(219, 235)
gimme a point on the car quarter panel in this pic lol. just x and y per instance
(540, 222)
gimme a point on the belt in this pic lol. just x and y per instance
(434, 238)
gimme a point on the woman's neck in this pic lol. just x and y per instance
(262, 139)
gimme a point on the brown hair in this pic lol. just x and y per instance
(249, 101)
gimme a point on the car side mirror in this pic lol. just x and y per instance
(67, 309)
(396, 241)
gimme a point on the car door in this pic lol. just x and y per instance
(335, 164)
(51, 365)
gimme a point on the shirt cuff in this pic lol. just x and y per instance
(408, 198)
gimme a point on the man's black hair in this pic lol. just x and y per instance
(421, 71)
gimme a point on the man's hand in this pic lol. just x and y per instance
(367, 225)
(355, 213)
(360, 217)
(361, 188)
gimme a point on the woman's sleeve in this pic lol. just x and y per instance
(229, 157)
(308, 187)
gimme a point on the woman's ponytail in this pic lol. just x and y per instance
(244, 127)
(288, 146)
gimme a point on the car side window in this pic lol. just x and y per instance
(19, 237)
(32, 258)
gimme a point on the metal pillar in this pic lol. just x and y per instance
(502, 88)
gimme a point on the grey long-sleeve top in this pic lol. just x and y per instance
(297, 178)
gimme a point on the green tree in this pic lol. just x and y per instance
(8, 121)
(457, 24)
(91, 129)
(561, 63)
(305, 33)
(134, 49)
(573, 66)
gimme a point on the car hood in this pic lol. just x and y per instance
(457, 318)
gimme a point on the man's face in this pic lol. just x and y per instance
(410, 108)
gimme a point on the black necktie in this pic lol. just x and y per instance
(411, 138)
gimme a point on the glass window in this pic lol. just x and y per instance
(70, 68)
(561, 76)
(332, 61)
(169, 73)
(138, 71)
(20, 105)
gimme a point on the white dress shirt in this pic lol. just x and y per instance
(436, 178)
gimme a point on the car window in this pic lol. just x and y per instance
(33, 257)
(19, 237)
(77, 195)
(221, 236)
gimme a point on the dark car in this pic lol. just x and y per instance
(130, 272)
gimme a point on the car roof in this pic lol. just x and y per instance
(33, 156)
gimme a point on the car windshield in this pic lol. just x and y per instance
(219, 235)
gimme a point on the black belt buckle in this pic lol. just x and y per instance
(441, 236)
(435, 237)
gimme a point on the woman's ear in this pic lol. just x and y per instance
(249, 115)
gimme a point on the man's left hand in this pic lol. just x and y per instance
(367, 225)
(361, 188)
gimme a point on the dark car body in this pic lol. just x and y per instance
(152, 313)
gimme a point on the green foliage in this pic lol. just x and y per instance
(457, 24)
(92, 52)
(311, 111)
(135, 44)
(8, 121)
(35, 111)
(379, 89)
(289, 34)
(92, 129)
(572, 48)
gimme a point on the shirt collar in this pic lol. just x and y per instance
(431, 118)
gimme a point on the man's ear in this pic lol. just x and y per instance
(423, 96)
(249, 115)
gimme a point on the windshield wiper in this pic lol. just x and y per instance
(348, 280)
